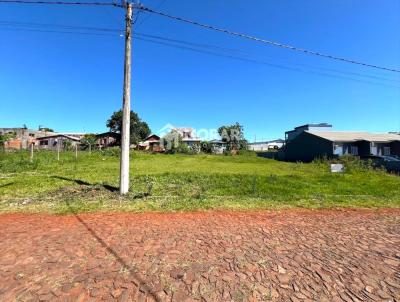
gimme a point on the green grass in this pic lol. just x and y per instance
(183, 182)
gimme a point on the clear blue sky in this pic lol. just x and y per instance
(73, 82)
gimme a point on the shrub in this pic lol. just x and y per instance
(112, 151)
(352, 164)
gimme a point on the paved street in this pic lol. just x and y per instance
(344, 255)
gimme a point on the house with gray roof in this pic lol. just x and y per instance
(310, 144)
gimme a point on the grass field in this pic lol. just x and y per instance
(182, 182)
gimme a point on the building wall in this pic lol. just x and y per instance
(264, 146)
(258, 146)
(306, 147)
(53, 142)
(23, 137)
(364, 148)
(395, 148)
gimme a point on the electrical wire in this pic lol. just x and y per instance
(274, 65)
(63, 26)
(60, 31)
(62, 3)
(182, 44)
(249, 37)
(277, 44)
(146, 17)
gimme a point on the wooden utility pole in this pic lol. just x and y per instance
(76, 150)
(126, 109)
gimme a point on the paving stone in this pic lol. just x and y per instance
(328, 255)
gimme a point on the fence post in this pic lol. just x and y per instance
(58, 150)
(31, 152)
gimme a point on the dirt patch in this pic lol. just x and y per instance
(297, 255)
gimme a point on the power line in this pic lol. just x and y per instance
(60, 31)
(62, 26)
(61, 3)
(274, 65)
(181, 44)
(277, 44)
(146, 17)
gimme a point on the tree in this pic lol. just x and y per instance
(89, 140)
(5, 137)
(206, 147)
(45, 129)
(67, 144)
(139, 129)
(171, 141)
(233, 135)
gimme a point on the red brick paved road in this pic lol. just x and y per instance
(216, 256)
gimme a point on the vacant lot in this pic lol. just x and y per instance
(182, 182)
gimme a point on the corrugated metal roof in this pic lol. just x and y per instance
(59, 135)
(346, 136)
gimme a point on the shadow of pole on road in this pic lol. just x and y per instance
(121, 261)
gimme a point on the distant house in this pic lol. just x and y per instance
(218, 146)
(57, 141)
(188, 137)
(266, 146)
(23, 137)
(308, 144)
(183, 135)
(151, 143)
(107, 139)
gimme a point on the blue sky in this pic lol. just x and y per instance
(73, 82)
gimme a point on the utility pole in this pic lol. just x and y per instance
(126, 108)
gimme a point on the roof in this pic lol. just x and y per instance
(191, 139)
(217, 141)
(314, 125)
(59, 135)
(184, 129)
(276, 141)
(152, 135)
(347, 136)
(108, 134)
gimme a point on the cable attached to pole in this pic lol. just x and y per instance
(277, 44)
(62, 3)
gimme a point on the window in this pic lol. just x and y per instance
(386, 150)
(354, 150)
(338, 149)
(32, 134)
(44, 143)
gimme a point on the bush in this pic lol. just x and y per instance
(351, 163)
(18, 163)
(206, 147)
(247, 153)
(183, 148)
(112, 151)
